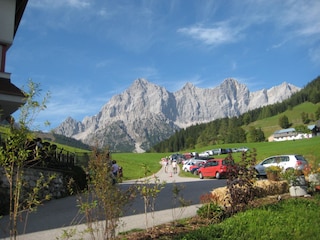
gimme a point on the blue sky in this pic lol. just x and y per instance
(86, 51)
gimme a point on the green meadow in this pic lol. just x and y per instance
(133, 163)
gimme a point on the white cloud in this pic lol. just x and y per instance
(300, 18)
(75, 101)
(221, 33)
(59, 3)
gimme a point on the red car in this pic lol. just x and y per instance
(216, 168)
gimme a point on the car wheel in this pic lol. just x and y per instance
(200, 176)
(195, 172)
(186, 170)
(217, 175)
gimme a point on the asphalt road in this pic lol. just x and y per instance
(190, 191)
(64, 212)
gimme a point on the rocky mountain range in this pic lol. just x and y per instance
(146, 113)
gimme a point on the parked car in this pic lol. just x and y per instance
(178, 157)
(217, 168)
(286, 162)
(204, 154)
(192, 162)
(243, 149)
(234, 150)
(188, 155)
(195, 168)
(216, 151)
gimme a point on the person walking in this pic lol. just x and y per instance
(115, 168)
(175, 166)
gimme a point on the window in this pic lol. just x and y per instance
(269, 161)
(284, 159)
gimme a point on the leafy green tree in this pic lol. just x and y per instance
(246, 118)
(190, 142)
(305, 118)
(302, 129)
(15, 156)
(223, 130)
(284, 121)
(265, 112)
(255, 135)
(314, 96)
(317, 114)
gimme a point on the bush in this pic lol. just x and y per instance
(211, 211)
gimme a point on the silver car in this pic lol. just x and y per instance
(297, 162)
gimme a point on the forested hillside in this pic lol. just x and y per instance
(237, 129)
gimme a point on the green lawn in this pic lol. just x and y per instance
(293, 219)
(133, 163)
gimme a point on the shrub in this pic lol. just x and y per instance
(211, 211)
(240, 183)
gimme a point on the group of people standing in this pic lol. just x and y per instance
(166, 162)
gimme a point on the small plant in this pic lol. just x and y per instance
(178, 202)
(313, 167)
(149, 188)
(273, 169)
(210, 208)
(211, 211)
(293, 176)
(104, 199)
(273, 173)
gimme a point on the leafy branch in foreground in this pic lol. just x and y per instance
(15, 156)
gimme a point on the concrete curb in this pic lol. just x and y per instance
(125, 224)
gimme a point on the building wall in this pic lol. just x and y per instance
(293, 137)
(7, 18)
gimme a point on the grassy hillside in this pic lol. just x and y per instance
(271, 124)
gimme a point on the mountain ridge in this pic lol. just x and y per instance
(145, 113)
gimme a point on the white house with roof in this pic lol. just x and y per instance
(288, 134)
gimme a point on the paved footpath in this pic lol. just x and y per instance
(126, 223)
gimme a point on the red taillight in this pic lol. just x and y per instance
(299, 163)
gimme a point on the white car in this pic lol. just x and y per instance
(286, 162)
(204, 154)
(192, 162)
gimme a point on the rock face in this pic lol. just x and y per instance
(146, 114)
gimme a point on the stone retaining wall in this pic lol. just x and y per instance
(57, 188)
